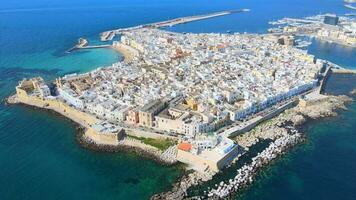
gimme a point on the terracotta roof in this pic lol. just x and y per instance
(185, 146)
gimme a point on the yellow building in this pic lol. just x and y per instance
(192, 103)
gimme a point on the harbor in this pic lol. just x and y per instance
(110, 35)
(328, 27)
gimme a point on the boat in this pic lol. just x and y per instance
(302, 44)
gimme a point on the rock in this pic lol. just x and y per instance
(353, 92)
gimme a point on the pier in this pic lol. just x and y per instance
(293, 20)
(83, 44)
(343, 71)
(96, 46)
(109, 35)
(350, 6)
(75, 48)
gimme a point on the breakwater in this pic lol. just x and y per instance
(109, 35)
(343, 71)
(283, 130)
(246, 173)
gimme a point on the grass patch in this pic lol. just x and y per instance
(161, 144)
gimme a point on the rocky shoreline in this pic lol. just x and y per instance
(279, 129)
(285, 130)
(180, 188)
(353, 92)
(245, 175)
(87, 143)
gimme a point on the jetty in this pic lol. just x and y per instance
(109, 35)
(83, 44)
(245, 175)
(343, 71)
(96, 46)
(350, 6)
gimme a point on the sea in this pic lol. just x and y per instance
(40, 157)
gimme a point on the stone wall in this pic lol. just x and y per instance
(100, 138)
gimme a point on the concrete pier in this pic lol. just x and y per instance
(109, 35)
(343, 71)
(88, 47)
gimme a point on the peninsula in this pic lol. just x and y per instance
(192, 98)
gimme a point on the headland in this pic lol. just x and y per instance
(200, 99)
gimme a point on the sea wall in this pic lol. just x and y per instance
(147, 134)
(82, 118)
(203, 163)
(104, 139)
(89, 137)
(264, 118)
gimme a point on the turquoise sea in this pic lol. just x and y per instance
(39, 156)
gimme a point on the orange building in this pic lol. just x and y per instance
(185, 146)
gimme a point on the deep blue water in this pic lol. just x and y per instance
(323, 168)
(39, 156)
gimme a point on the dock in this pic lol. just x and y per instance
(96, 46)
(183, 20)
(343, 71)
(109, 35)
(83, 44)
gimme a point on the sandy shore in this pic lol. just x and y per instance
(128, 56)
